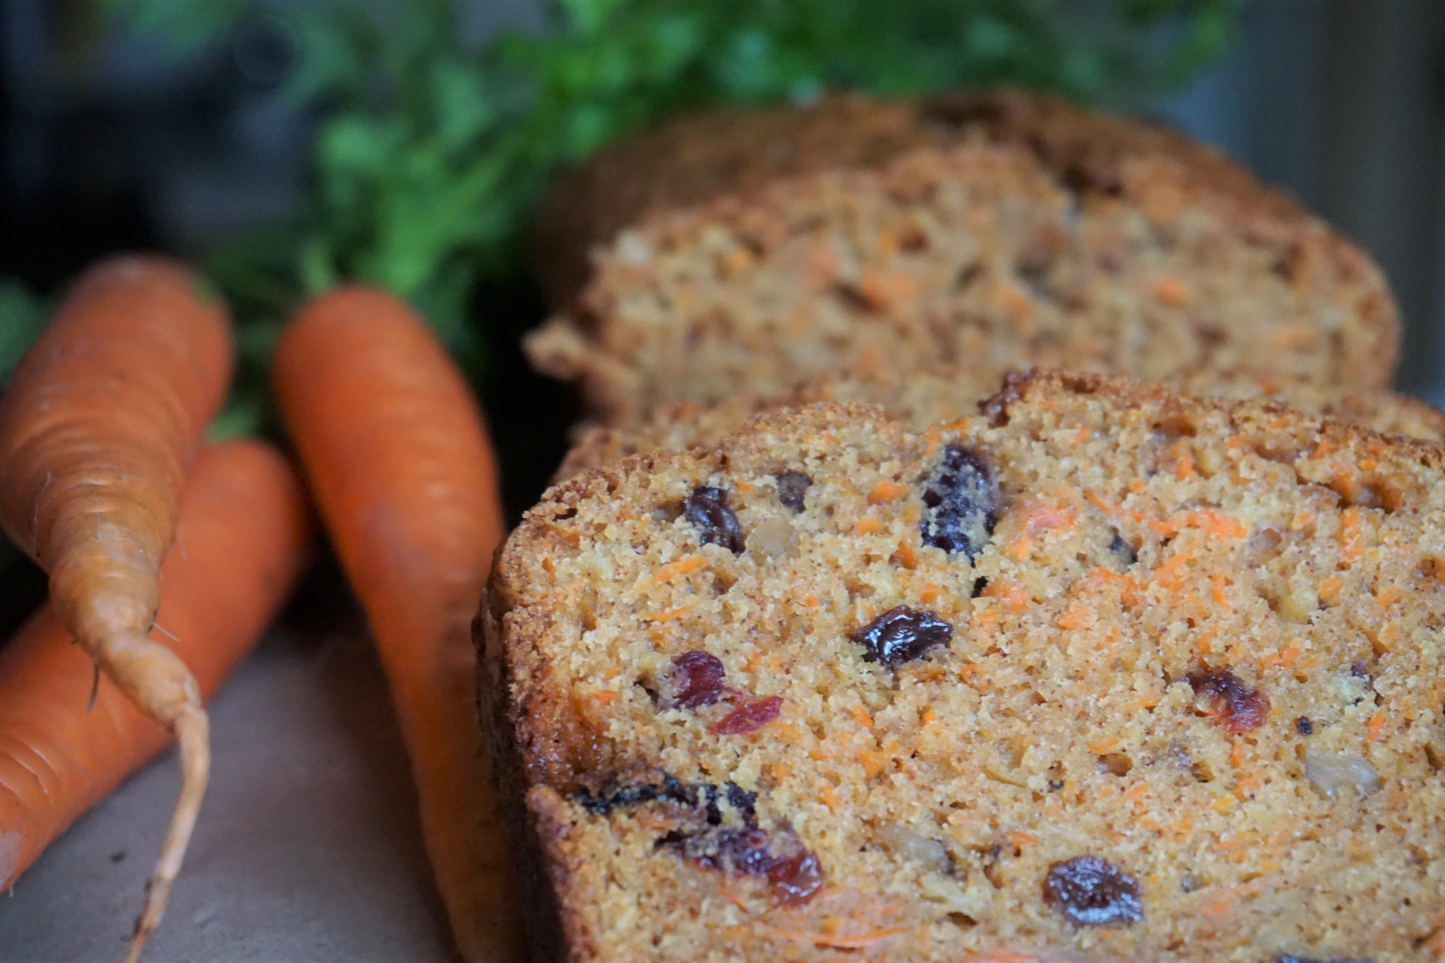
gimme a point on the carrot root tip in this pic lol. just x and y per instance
(192, 730)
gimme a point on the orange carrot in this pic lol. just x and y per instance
(398, 458)
(97, 427)
(239, 545)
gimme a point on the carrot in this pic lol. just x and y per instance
(97, 427)
(239, 546)
(398, 458)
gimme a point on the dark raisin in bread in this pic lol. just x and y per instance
(1100, 674)
(737, 252)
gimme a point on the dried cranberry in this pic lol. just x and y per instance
(707, 508)
(961, 498)
(901, 634)
(742, 802)
(1090, 891)
(795, 879)
(792, 488)
(1235, 705)
(750, 716)
(697, 679)
(793, 871)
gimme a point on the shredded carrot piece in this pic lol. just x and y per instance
(1244, 787)
(1286, 658)
(835, 941)
(1376, 725)
(1156, 525)
(1217, 583)
(670, 613)
(604, 696)
(828, 797)
(972, 676)
(1076, 616)
(870, 360)
(1014, 301)
(887, 243)
(789, 731)
(754, 660)
(1100, 746)
(873, 762)
(1033, 515)
(1011, 596)
(810, 600)
(929, 593)
(886, 491)
(1236, 753)
(822, 265)
(872, 289)
(928, 716)
(900, 284)
(733, 898)
(1168, 575)
(682, 566)
(1020, 839)
(1184, 467)
(1224, 804)
(1171, 291)
(1215, 523)
(861, 714)
(867, 526)
(1294, 336)
(1350, 537)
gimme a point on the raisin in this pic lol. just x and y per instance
(742, 801)
(696, 679)
(793, 872)
(901, 634)
(1090, 891)
(663, 786)
(1304, 726)
(792, 488)
(1123, 550)
(750, 716)
(707, 508)
(1233, 704)
(961, 502)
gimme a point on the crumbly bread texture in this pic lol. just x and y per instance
(948, 392)
(738, 252)
(1100, 674)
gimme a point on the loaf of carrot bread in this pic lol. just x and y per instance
(739, 252)
(1100, 674)
(947, 392)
